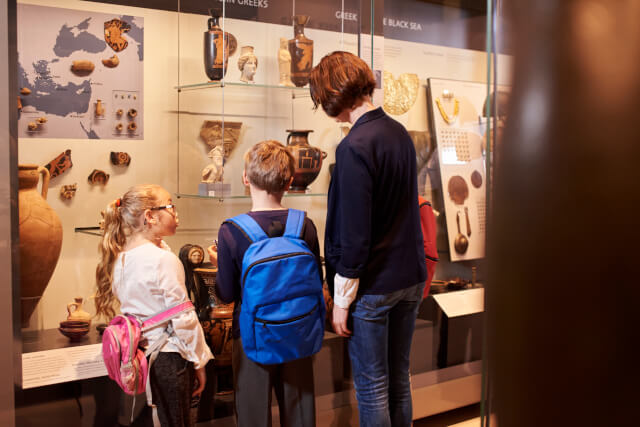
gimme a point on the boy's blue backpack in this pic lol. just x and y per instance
(282, 307)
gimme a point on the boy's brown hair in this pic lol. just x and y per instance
(338, 81)
(269, 166)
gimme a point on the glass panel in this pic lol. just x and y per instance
(144, 61)
(496, 110)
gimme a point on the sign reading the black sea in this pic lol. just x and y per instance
(80, 74)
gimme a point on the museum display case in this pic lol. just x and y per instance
(114, 93)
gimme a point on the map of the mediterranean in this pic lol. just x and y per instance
(80, 74)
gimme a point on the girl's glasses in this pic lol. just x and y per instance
(171, 208)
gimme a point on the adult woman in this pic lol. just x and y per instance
(373, 242)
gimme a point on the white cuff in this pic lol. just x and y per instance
(345, 290)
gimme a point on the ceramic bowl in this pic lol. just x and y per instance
(74, 334)
(74, 324)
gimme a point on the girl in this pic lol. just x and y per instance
(139, 271)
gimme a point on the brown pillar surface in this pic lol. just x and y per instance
(10, 355)
(564, 298)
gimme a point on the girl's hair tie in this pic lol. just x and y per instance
(118, 202)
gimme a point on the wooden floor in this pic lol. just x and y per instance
(468, 416)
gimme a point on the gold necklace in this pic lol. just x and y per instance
(445, 116)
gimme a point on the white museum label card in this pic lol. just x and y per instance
(461, 303)
(42, 368)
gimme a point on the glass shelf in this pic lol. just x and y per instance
(92, 231)
(96, 231)
(217, 84)
(240, 197)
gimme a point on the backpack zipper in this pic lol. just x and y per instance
(273, 258)
(282, 322)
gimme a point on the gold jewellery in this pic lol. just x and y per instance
(400, 94)
(456, 109)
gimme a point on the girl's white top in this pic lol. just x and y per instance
(152, 281)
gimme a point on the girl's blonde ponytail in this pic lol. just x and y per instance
(122, 217)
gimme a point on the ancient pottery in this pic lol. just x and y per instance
(111, 62)
(98, 177)
(68, 192)
(76, 312)
(216, 48)
(114, 31)
(211, 134)
(82, 67)
(74, 329)
(60, 164)
(247, 64)
(40, 237)
(99, 108)
(216, 318)
(301, 50)
(120, 158)
(308, 159)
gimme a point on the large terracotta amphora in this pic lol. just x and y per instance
(301, 50)
(216, 48)
(40, 237)
(308, 159)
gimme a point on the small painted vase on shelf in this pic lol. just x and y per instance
(301, 50)
(76, 312)
(308, 159)
(247, 64)
(40, 237)
(216, 48)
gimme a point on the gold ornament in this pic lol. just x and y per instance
(400, 94)
(445, 116)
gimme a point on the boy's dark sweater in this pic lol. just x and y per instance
(232, 244)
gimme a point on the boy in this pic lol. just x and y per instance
(268, 172)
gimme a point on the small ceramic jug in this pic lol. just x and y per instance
(76, 312)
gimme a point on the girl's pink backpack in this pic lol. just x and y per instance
(125, 359)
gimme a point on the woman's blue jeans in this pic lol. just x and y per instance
(379, 351)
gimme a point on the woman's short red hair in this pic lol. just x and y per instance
(339, 81)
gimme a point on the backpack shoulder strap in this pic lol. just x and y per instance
(166, 315)
(295, 221)
(249, 227)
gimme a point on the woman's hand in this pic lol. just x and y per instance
(201, 380)
(213, 254)
(339, 321)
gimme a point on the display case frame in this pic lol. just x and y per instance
(196, 209)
